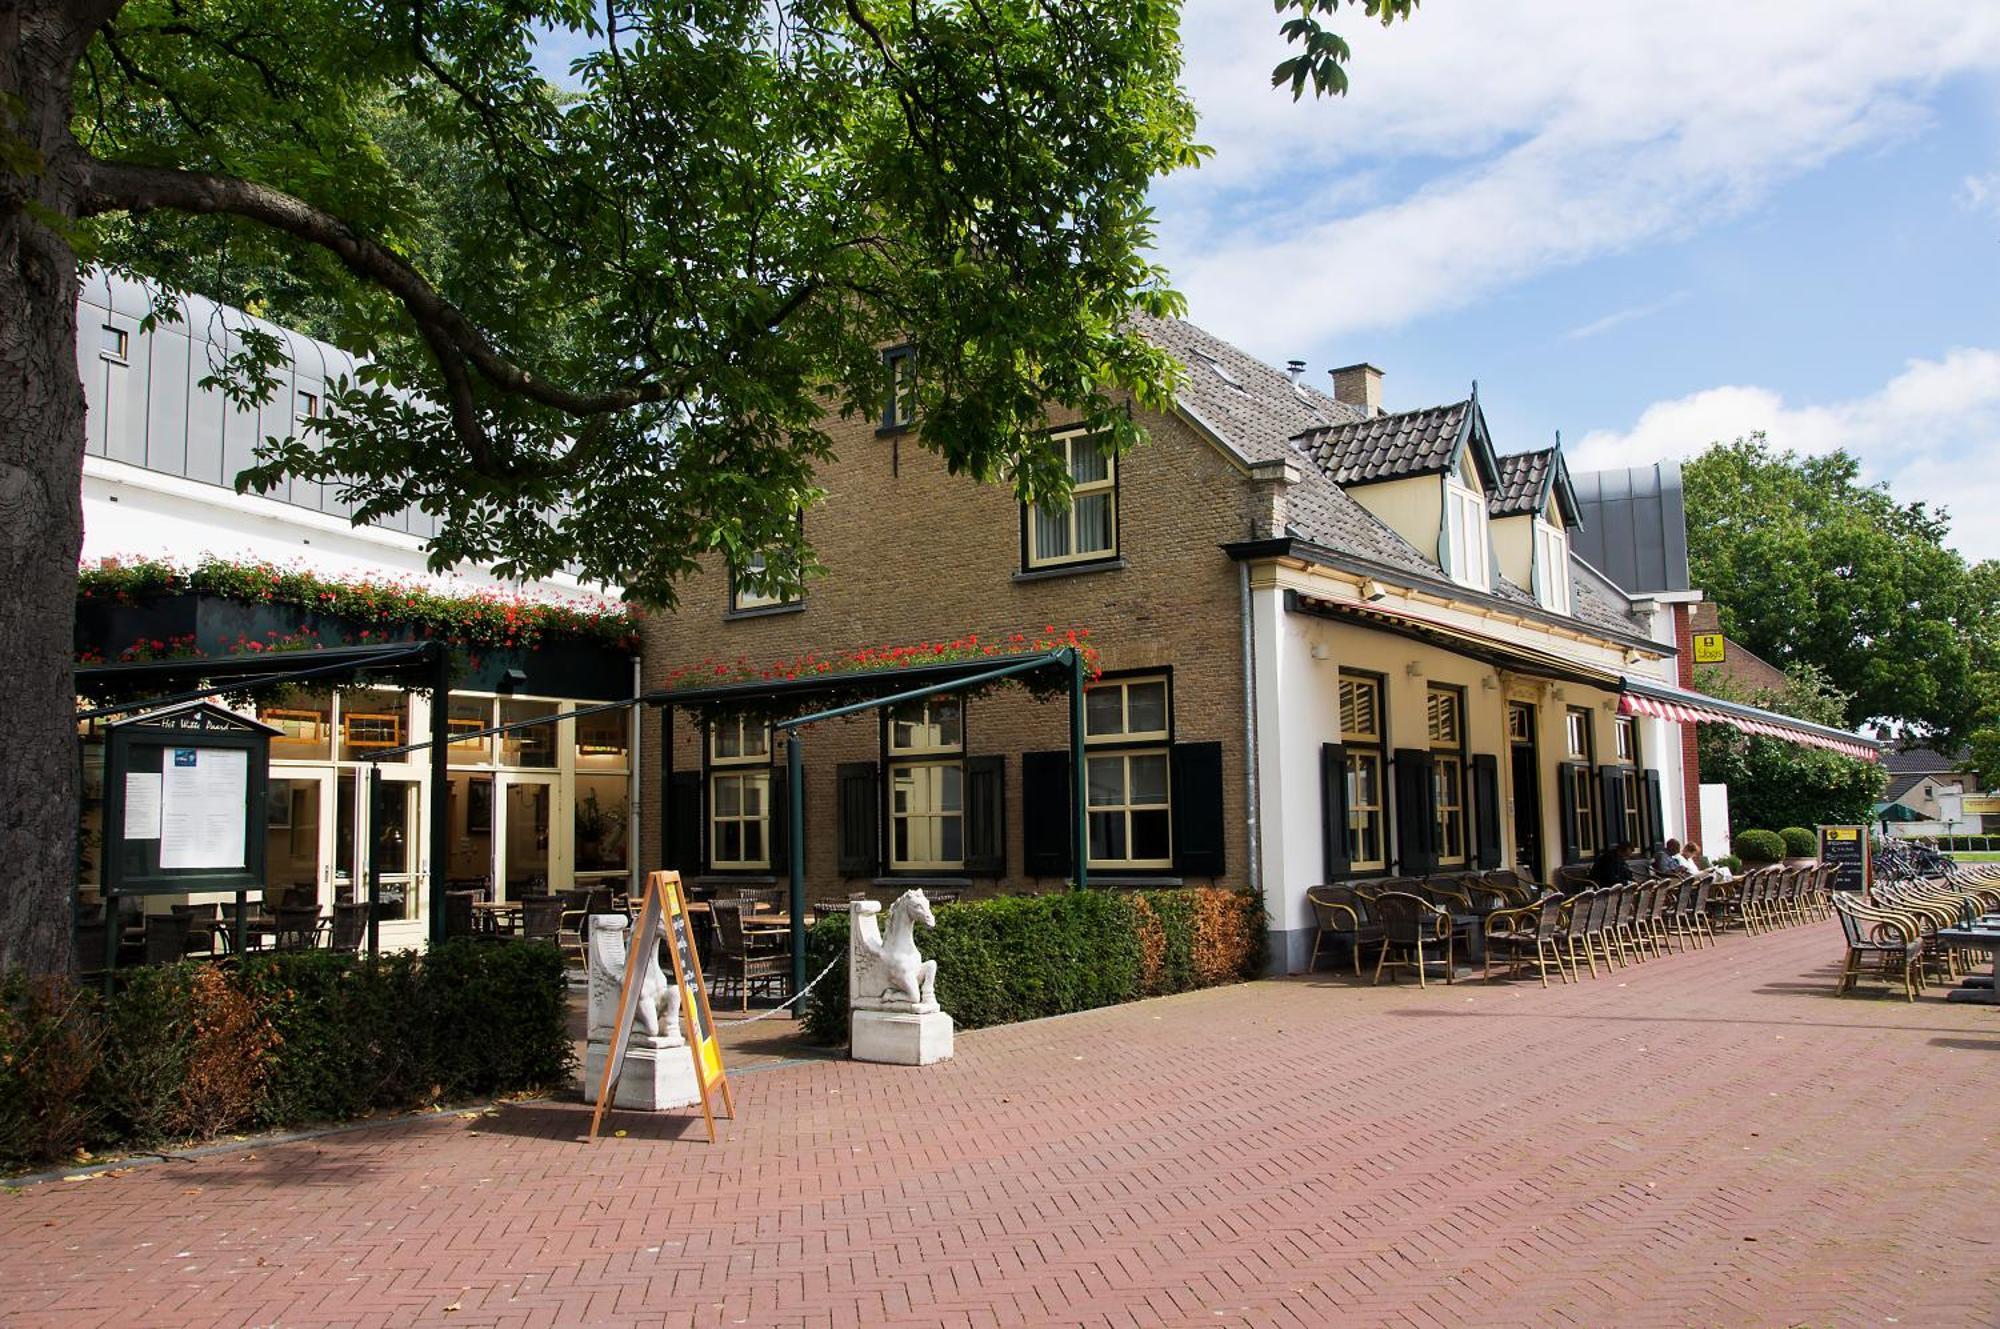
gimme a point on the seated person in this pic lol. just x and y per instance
(1668, 859)
(1610, 868)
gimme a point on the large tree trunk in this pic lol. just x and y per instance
(41, 478)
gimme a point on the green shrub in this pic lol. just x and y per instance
(1799, 842)
(1022, 957)
(50, 1034)
(1758, 846)
(1730, 861)
(188, 1051)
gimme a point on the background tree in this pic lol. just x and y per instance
(1807, 565)
(1772, 783)
(612, 344)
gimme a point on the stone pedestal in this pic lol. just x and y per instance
(658, 1075)
(900, 1038)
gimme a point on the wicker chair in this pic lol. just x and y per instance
(1528, 935)
(1576, 932)
(166, 937)
(350, 926)
(1602, 931)
(1342, 913)
(299, 927)
(1889, 939)
(1412, 924)
(745, 959)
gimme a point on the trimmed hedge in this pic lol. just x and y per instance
(182, 1053)
(1799, 842)
(1758, 846)
(1025, 956)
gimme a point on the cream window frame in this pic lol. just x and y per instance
(1576, 733)
(929, 734)
(1584, 785)
(745, 596)
(1107, 486)
(1444, 727)
(1125, 733)
(1552, 553)
(1128, 807)
(744, 778)
(1465, 511)
(743, 727)
(1361, 736)
(926, 781)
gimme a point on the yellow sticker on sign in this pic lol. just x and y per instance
(1842, 832)
(1709, 648)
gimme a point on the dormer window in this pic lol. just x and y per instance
(1552, 562)
(1466, 550)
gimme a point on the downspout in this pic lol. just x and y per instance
(1250, 738)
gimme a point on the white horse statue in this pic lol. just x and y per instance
(887, 973)
(659, 1013)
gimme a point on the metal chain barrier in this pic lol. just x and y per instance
(799, 996)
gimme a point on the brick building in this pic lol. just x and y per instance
(1335, 642)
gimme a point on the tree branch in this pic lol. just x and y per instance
(121, 186)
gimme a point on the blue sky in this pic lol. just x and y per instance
(1646, 225)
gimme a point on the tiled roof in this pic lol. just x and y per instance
(1257, 410)
(1921, 761)
(1387, 447)
(1523, 476)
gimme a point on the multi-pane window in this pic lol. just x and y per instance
(308, 406)
(1361, 738)
(1552, 564)
(1088, 529)
(1445, 728)
(739, 788)
(750, 585)
(1520, 723)
(899, 409)
(1465, 518)
(927, 784)
(1128, 791)
(1627, 737)
(1583, 789)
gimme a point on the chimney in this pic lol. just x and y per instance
(1270, 515)
(1294, 368)
(1359, 385)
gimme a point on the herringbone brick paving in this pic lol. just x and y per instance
(1709, 1139)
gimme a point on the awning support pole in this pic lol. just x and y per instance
(795, 847)
(440, 852)
(1079, 813)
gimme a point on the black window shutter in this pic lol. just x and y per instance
(1566, 800)
(1196, 794)
(1045, 814)
(1611, 802)
(986, 816)
(1333, 809)
(1486, 807)
(781, 819)
(1416, 812)
(1656, 821)
(859, 797)
(685, 840)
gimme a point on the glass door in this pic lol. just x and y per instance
(397, 835)
(298, 837)
(527, 849)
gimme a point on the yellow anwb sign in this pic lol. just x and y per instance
(1709, 648)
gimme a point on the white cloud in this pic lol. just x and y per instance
(1597, 327)
(1980, 193)
(1550, 132)
(1931, 432)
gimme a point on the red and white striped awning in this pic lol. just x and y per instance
(1665, 703)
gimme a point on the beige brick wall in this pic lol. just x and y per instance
(913, 553)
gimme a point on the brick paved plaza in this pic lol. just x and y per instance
(1710, 1139)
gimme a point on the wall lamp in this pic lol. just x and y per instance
(1372, 590)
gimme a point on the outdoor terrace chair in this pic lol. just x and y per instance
(1666, 892)
(350, 926)
(298, 927)
(166, 937)
(1889, 940)
(1528, 935)
(745, 959)
(459, 918)
(1340, 912)
(203, 920)
(1576, 930)
(1415, 926)
(1624, 932)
